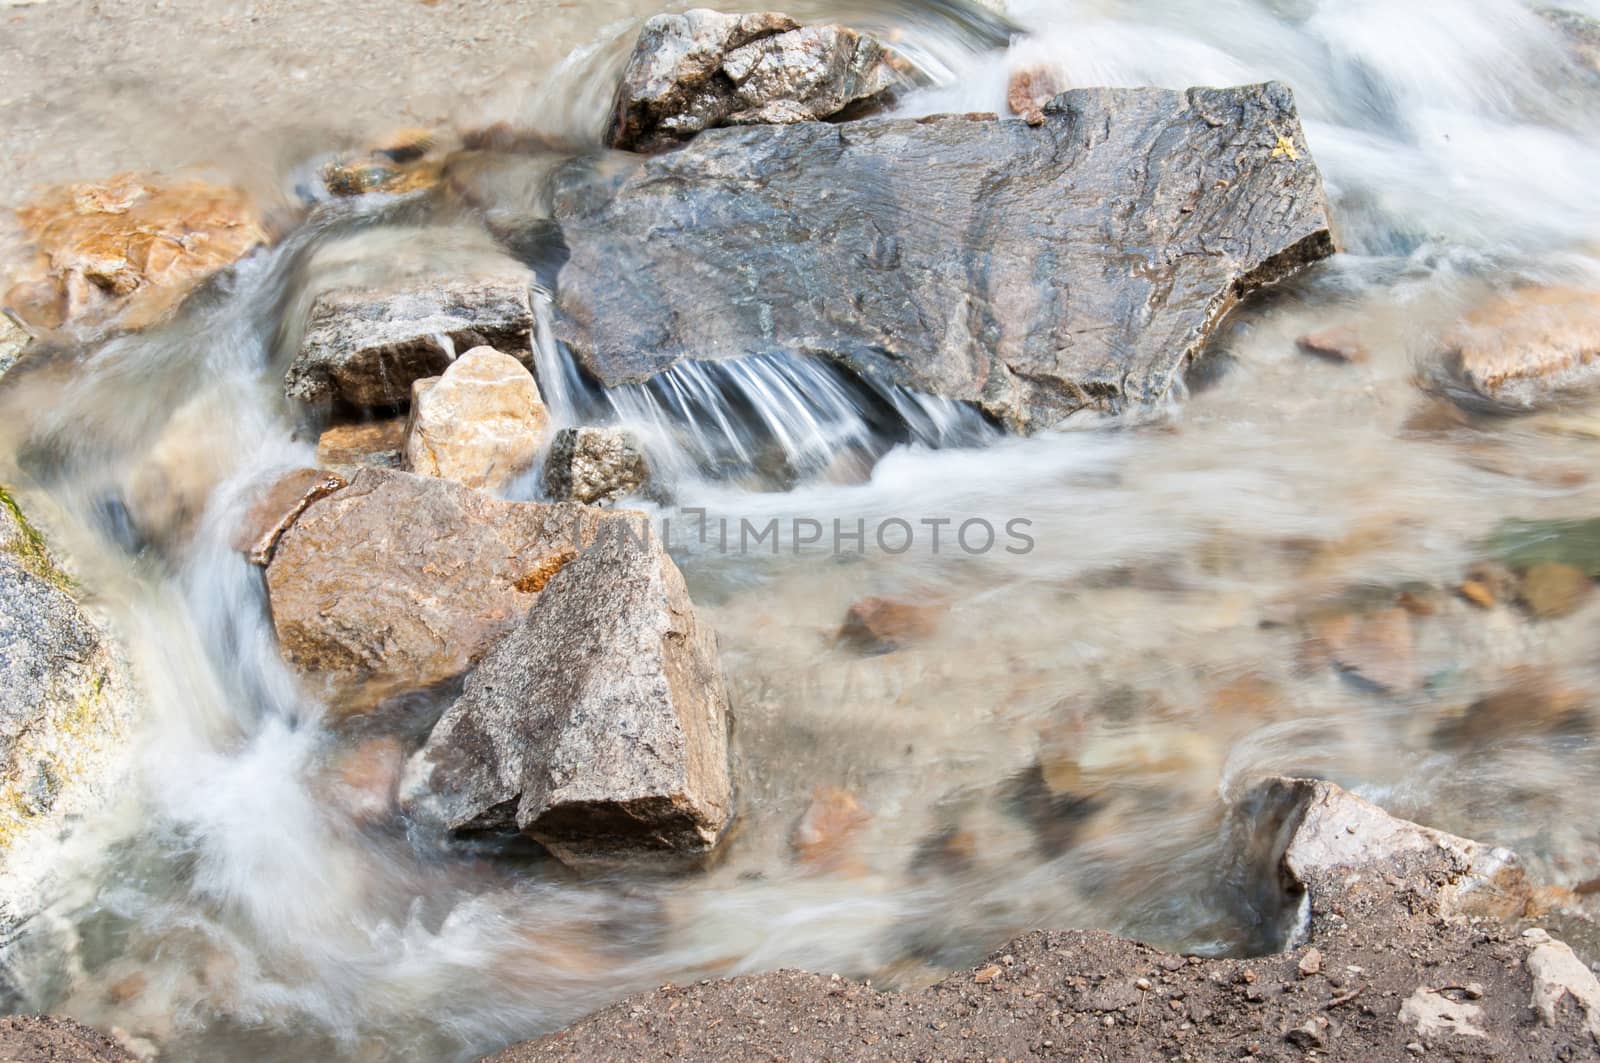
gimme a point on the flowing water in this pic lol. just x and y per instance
(1105, 679)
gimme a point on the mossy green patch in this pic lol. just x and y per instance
(1525, 543)
(30, 550)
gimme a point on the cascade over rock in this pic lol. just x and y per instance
(1032, 271)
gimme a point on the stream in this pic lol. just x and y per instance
(1122, 660)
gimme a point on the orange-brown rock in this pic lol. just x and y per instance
(346, 447)
(1551, 590)
(1338, 344)
(399, 582)
(1529, 702)
(1029, 90)
(279, 506)
(822, 839)
(407, 160)
(882, 625)
(124, 252)
(1524, 350)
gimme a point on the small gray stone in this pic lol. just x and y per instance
(595, 466)
(692, 71)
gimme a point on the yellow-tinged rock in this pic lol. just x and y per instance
(126, 251)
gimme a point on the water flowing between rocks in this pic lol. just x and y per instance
(1058, 744)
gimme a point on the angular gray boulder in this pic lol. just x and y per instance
(365, 345)
(1031, 271)
(699, 69)
(599, 726)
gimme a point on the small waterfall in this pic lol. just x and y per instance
(773, 419)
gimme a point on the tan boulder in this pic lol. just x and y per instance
(1525, 350)
(823, 838)
(481, 423)
(399, 582)
(124, 252)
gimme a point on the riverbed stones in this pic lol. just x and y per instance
(53, 1039)
(365, 345)
(1525, 350)
(692, 71)
(598, 727)
(125, 251)
(481, 423)
(595, 465)
(1033, 272)
(401, 582)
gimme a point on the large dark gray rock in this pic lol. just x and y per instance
(1032, 271)
(695, 70)
(599, 726)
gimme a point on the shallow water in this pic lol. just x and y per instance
(1061, 751)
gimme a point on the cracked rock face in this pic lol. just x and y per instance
(599, 726)
(693, 71)
(1032, 271)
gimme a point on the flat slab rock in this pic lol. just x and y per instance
(1033, 271)
(364, 346)
(698, 69)
(599, 726)
(1392, 971)
(399, 582)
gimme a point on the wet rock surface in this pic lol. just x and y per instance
(700, 69)
(399, 582)
(124, 252)
(595, 466)
(365, 346)
(598, 726)
(482, 423)
(1031, 271)
(1402, 962)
